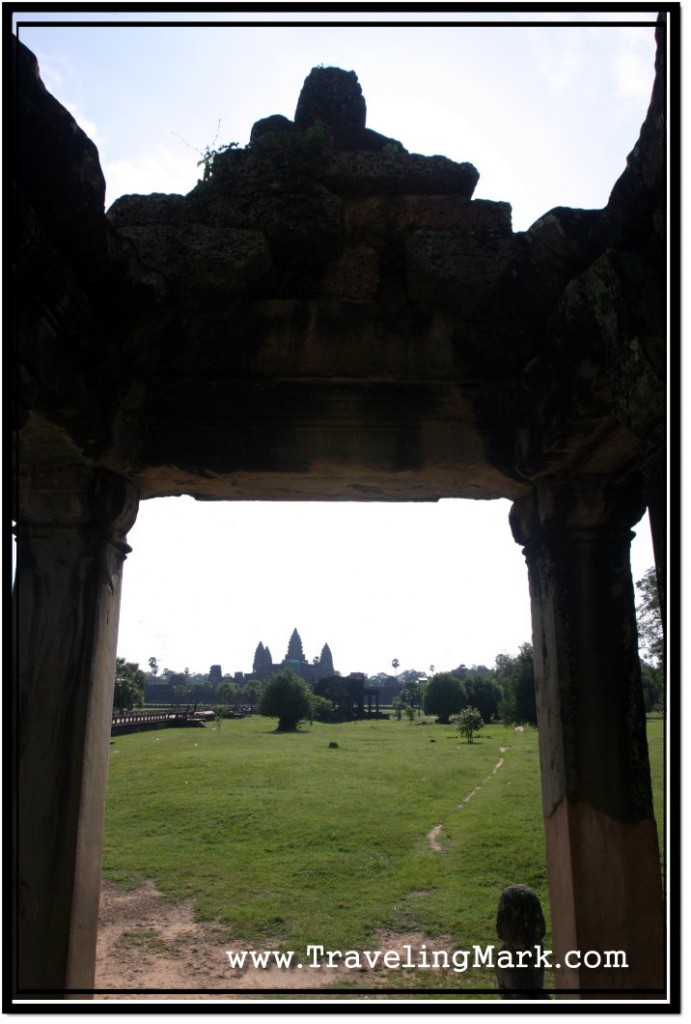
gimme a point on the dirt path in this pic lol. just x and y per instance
(433, 834)
(146, 942)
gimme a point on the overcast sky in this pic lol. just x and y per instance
(547, 114)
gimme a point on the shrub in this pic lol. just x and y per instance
(469, 722)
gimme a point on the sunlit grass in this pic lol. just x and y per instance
(286, 842)
(656, 751)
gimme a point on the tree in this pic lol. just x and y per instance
(408, 675)
(394, 664)
(411, 694)
(227, 691)
(653, 682)
(295, 651)
(461, 672)
(181, 686)
(483, 693)
(649, 619)
(250, 692)
(129, 685)
(153, 666)
(469, 722)
(516, 677)
(286, 697)
(443, 696)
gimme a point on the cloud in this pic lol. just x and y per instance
(633, 75)
(163, 170)
(561, 71)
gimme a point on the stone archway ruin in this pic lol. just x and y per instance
(327, 316)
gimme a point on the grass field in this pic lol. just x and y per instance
(286, 842)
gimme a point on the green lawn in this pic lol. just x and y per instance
(656, 752)
(287, 842)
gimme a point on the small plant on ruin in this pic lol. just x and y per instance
(209, 153)
(314, 139)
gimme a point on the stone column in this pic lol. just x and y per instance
(603, 859)
(70, 548)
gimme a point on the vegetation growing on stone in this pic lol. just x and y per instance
(314, 139)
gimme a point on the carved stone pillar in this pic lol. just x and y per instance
(70, 549)
(602, 849)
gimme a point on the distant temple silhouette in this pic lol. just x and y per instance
(321, 668)
(349, 697)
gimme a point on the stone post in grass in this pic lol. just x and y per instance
(521, 927)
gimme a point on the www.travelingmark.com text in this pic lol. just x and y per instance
(458, 960)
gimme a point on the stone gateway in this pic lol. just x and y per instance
(327, 316)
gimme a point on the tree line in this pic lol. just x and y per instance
(505, 692)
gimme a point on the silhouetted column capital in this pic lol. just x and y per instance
(91, 502)
(588, 506)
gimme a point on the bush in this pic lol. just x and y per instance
(469, 722)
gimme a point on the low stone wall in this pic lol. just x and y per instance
(136, 722)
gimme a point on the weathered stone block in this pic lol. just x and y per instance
(301, 228)
(379, 219)
(216, 261)
(455, 268)
(396, 173)
(333, 96)
(157, 208)
(354, 276)
(275, 124)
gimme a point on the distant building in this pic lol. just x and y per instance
(295, 659)
(349, 696)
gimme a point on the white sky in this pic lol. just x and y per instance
(546, 114)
